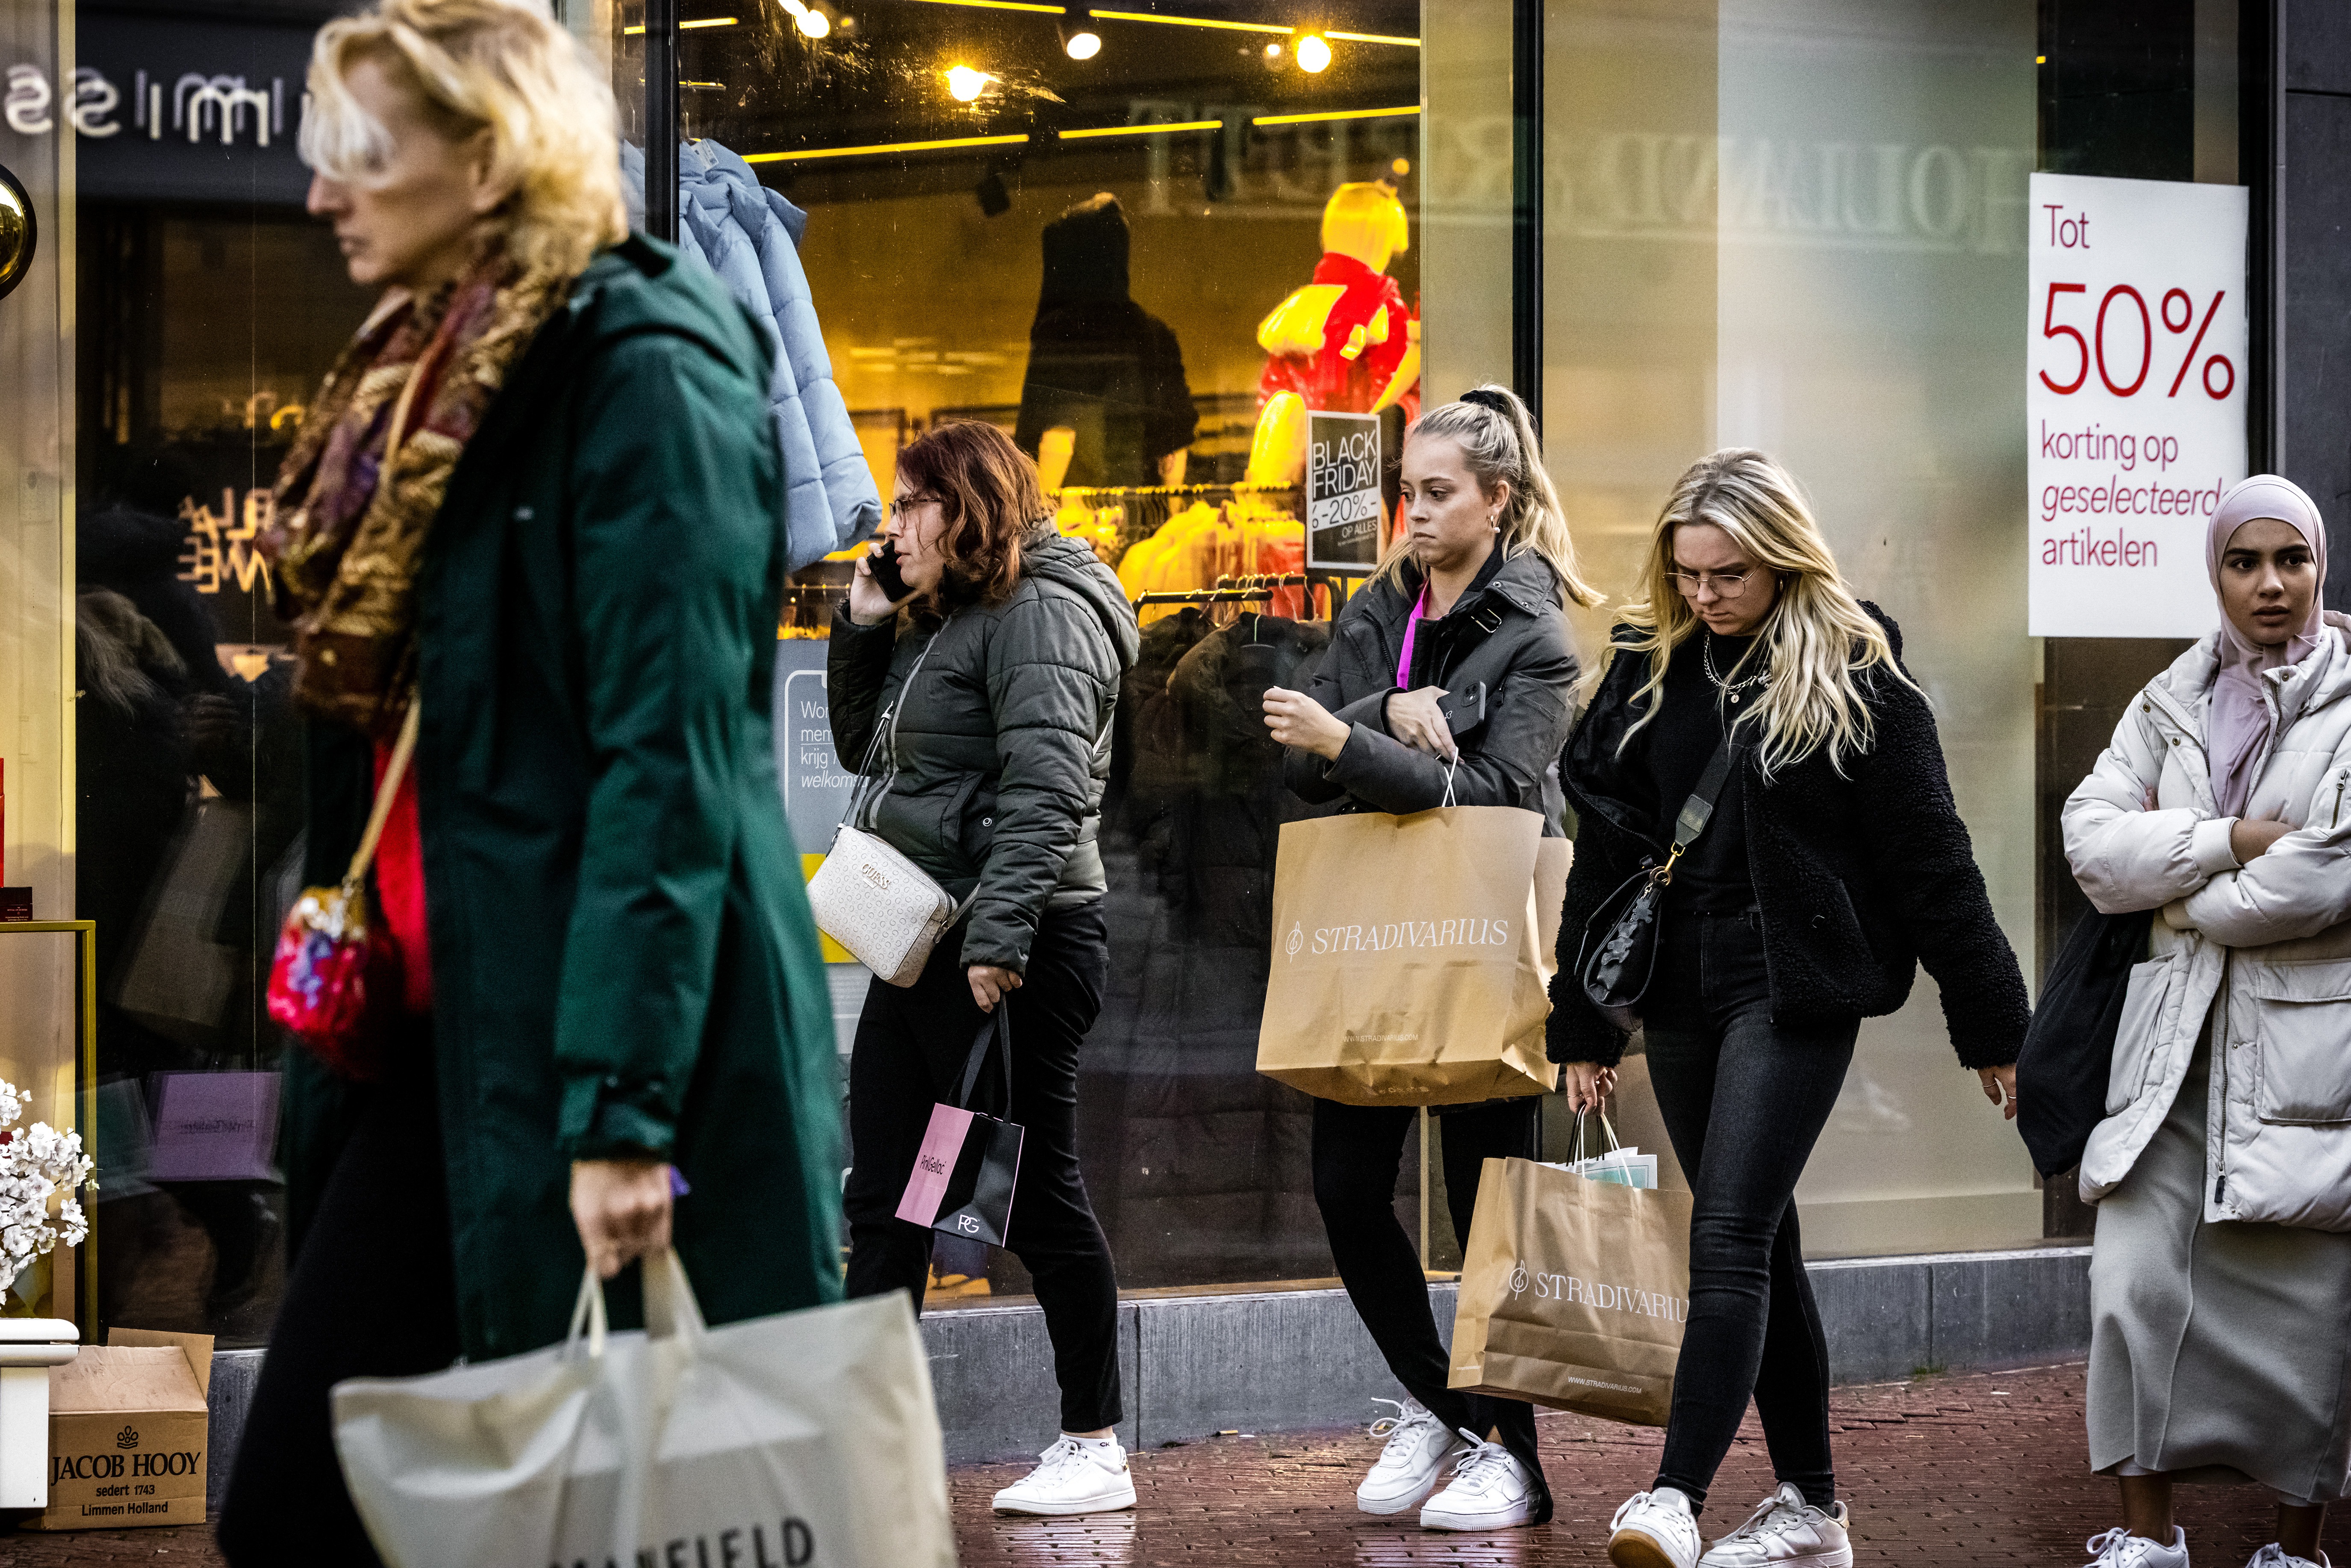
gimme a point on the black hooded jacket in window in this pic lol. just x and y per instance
(1099, 362)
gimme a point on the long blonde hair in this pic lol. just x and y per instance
(1500, 447)
(503, 65)
(1817, 640)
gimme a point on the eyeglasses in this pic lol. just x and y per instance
(904, 503)
(1725, 584)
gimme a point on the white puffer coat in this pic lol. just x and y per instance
(2271, 938)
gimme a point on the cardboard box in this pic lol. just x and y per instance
(126, 1432)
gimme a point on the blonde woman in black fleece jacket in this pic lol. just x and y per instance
(1472, 595)
(1834, 864)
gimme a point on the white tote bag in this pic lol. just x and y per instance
(804, 1441)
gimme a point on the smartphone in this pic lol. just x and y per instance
(883, 563)
(1464, 710)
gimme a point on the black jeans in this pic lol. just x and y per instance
(912, 1044)
(373, 1293)
(1358, 1150)
(1744, 1100)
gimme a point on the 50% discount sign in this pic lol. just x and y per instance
(2135, 405)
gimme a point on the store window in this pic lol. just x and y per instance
(1090, 229)
(1802, 226)
(209, 306)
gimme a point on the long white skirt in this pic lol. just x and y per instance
(2218, 1351)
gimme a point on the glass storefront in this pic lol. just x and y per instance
(1116, 233)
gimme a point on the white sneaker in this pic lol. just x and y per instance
(1073, 1477)
(1489, 1490)
(2276, 1556)
(1407, 1470)
(1655, 1530)
(1785, 1531)
(2121, 1549)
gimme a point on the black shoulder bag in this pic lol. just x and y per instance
(1619, 951)
(2069, 1049)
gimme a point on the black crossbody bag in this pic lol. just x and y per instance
(1619, 950)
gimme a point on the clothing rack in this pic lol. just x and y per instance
(1229, 590)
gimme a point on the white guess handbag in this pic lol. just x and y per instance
(867, 896)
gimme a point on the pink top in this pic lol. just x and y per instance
(1411, 629)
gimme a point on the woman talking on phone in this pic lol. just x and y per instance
(1833, 863)
(1447, 682)
(986, 650)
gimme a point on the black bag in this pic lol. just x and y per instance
(1619, 949)
(2062, 1070)
(964, 1174)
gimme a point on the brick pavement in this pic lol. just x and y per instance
(1944, 1472)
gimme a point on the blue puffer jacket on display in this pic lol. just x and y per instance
(749, 235)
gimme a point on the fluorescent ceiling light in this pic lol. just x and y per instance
(884, 148)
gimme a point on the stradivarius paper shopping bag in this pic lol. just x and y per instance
(1412, 956)
(1573, 1292)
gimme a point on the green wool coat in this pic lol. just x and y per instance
(623, 960)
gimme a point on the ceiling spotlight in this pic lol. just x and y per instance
(1313, 53)
(814, 22)
(965, 84)
(1084, 44)
(1273, 51)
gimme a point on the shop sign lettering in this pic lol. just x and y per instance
(2134, 399)
(221, 108)
(219, 546)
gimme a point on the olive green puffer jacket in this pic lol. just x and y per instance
(1003, 742)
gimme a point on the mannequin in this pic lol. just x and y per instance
(1346, 343)
(1104, 401)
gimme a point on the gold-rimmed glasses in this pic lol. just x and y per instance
(1725, 584)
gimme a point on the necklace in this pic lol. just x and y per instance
(1762, 677)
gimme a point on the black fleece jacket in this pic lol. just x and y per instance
(1860, 878)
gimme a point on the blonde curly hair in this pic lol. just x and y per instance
(502, 66)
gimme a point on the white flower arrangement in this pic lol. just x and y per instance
(37, 1164)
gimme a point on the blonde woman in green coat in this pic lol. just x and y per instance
(539, 498)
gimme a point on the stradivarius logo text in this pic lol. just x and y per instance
(1462, 933)
(1297, 940)
(1600, 1293)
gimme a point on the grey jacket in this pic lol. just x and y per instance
(995, 778)
(1509, 631)
(2262, 950)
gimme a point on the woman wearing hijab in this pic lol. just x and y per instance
(2221, 1286)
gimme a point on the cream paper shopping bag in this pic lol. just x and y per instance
(1574, 1294)
(1412, 956)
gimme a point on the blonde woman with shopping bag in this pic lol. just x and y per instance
(1465, 617)
(1757, 763)
(2220, 1285)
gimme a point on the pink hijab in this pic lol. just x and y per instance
(2240, 720)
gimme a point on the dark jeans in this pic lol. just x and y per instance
(373, 1293)
(1358, 1150)
(912, 1044)
(1744, 1100)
